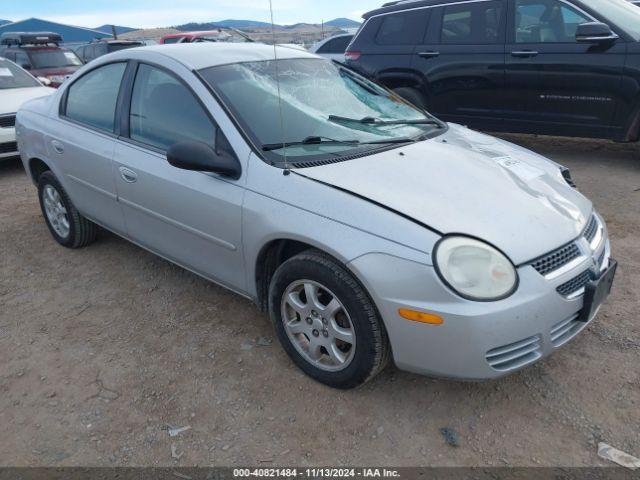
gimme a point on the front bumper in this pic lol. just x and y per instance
(478, 341)
(8, 146)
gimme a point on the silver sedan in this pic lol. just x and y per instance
(367, 229)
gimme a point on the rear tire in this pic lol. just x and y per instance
(334, 334)
(412, 96)
(67, 226)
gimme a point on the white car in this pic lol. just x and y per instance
(16, 87)
(333, 48)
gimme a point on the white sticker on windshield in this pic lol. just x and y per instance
(5, 72)
(522, 170)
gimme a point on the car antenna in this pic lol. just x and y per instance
(287, 171)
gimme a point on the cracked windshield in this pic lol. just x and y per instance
(325, 109)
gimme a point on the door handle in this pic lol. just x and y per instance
(524, 54)
(127, 175)
(57, 146)
(428, 55)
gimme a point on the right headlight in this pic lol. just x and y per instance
(475, 270)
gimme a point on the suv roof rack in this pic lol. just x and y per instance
(31, 38)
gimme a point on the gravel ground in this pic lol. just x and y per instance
(102, 350)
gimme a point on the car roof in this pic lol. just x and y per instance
(197, 56)
(405, 5)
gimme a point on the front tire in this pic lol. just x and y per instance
(326, 321)
(67, 226)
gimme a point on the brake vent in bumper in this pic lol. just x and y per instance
(557, 259)
(8, 121)
(565, 331)
(575, 285)
(516, 355)
(8, 147)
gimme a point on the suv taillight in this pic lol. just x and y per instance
(352, 55)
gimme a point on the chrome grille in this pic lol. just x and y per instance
(602, 258)
(565, 255)
(8, 121)
(591, 230)
(575, 284)
(8, 147)
(556, 260)
(515, 355)
(566, 330)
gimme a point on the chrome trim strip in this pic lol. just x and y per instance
(446, 4)
(577, 294)
(566, 268)
(597, 239)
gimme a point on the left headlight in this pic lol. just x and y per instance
(475, 270)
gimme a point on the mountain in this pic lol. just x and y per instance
(243, 23)
(4, 22)
(107, 29)
(224, 23)
(343, 23)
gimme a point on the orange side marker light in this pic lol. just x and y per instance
(421, 317)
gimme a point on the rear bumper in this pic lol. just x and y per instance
(478, 341)
(8, 146)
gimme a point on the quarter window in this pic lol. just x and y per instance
(475, 23)
(406, 28)
(165, 112)
(547, 21)
(93, 98)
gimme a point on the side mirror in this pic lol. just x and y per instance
(200, 157)
(595, 32)
(45, 81)
(26, 66)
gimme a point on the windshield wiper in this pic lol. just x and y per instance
(377, 121)
(308, 141)
(330, 141)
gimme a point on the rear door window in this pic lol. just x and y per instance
(472, 23)
(405, 28)
(92, 99)
(165, 112)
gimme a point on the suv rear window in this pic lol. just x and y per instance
(336, 46)
(54, 59)
(405, 28)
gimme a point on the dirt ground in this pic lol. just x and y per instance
(103, 349)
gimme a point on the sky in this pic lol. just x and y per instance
(162, 13)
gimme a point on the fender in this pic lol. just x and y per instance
(401, 78)
(632, 125)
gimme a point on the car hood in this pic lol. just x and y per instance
(468, 183)
(12, 99)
